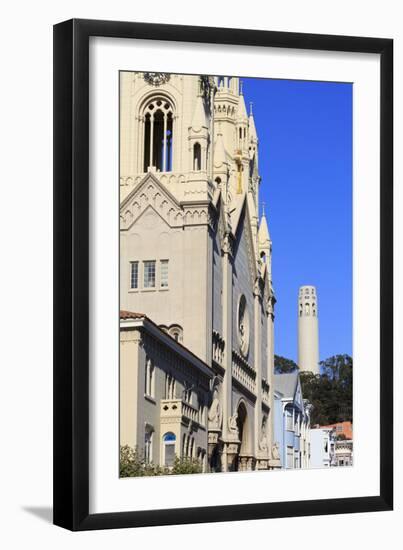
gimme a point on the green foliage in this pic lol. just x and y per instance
(186, 466)
(330, 393)
(283, 365)
(132, 464)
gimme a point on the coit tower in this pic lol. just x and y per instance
(308, 338)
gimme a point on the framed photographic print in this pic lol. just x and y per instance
(223, 320)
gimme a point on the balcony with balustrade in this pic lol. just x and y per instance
(243, 373)
(179, 411)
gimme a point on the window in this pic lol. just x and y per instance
(176, 332)
(196, 157)
(149, 274)
(168, 441)
(158, 135)
(290, 457)
(187, 394)
(297, 426)
(134, 274)
(170, 387)
(148, 445)
(149, 378)
(289, 421)
(164, 273)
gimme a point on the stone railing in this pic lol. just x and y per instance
(265, 392)
(176, 410)
(243, 372)
(218, 348)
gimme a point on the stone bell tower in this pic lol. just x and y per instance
(308, 337)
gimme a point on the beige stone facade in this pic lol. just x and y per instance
(195, 266)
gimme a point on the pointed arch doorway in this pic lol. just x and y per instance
(244, 437)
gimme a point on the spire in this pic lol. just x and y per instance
(220, 155)
(199, 115)
(241, 115)
(252, 127)
(264, 235)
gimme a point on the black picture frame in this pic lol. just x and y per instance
(71, 274)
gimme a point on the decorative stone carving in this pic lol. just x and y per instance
(263, 436)
(243, 326)
(227, 244)
(215, 412)
(275, 451)
(156, 79)
(233, 425)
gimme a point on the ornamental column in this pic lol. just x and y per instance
(227, 250)
(258, 367)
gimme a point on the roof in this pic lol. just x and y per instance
(131, 315)
(157, 331)
(286, 383)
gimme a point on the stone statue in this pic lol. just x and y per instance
(275, 451)
(214, 414)
(263, 437)
(233, 425)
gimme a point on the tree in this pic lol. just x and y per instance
(337, 366)
(330, 393)
(283, 365)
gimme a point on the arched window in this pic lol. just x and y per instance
(158, 135)
(148, 444)
(201, 409)
(196, 157)
(168, 442)
(149, 378)
(176, 332)
(170, 387)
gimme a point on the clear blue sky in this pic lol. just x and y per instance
(305, 160)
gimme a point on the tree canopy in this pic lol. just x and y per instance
(331, 393)
(283, 365)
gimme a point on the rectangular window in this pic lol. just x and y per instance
(290, 456)
(134, 274)
(164, 273)
(169, 454)
(289, 422)
(149, 274)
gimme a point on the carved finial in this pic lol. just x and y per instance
(241, 87)
(263, 209)
(250, 108)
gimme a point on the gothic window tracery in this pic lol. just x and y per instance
(158, 134)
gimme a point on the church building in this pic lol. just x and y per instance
(196, 294)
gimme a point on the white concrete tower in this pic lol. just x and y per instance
(308, 334)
